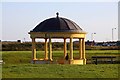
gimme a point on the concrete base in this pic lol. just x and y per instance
(77, 61)
(80, 62)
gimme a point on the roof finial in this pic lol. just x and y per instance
(57, 14)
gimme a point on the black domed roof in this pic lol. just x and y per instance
(57, 24)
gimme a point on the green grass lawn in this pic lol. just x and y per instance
(17, 65)
(60, 71)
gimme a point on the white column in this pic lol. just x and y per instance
(50, 49)
(46, 49)
(83, 44)
(83, 48)
(80, 47)
(33, 49)
(65, 47)
(71, 49)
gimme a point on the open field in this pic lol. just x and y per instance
(17, 65)
(60, 71)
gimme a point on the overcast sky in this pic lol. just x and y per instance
(18, 18)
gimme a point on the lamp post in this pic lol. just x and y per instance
(92, 36)
(112, 33)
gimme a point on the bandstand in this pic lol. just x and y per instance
(60, 28)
